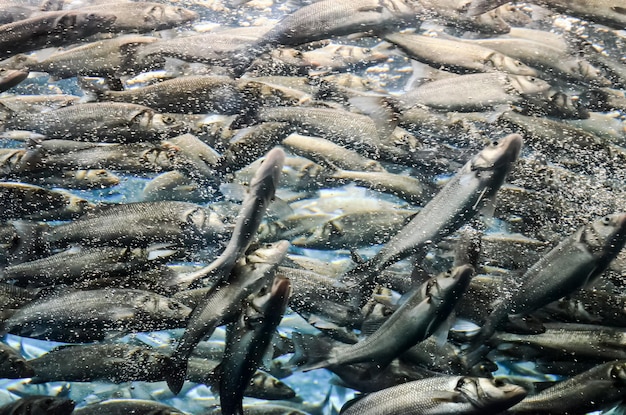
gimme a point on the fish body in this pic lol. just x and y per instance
(459, 200)
(440, 395)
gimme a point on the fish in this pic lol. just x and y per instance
(11, 77)
(452, 54)
(25, 201)
(80, 264)
(219, 305)
(261, 192)
(416, 319)
(327, 18)
(125, 406)
(39, 404)
(461, 198)
(142, 17)
(598, 388)
(140, 224)
(573, 263)
(474, 92)
(108, 121)
(247, 341)
(440, 395)
(55, 28)
(87, 316)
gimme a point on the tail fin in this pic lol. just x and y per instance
(175, 371)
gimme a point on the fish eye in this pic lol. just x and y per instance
(532, 79)
(495, 143)
(167, 119)
(3, 70)
(606, 220)
(367, 50)
(518, 63)
(499, 383)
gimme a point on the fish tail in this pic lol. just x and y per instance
(175, 370)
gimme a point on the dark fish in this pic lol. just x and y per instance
(127, 406)
(596, 389)
(38, 404)
(25, 201)
(12, 364)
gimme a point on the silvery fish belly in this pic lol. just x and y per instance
(315, 207)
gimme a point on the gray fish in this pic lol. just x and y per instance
(462, 197)
(598, 388)
(574, 262)
(219, 305)
(327, 18)
(323, 151)
(247, 341)
(543, 56)
(86, 363)
(77, 265)
(74, 179)
(107, 121)
(441, 395)
(25, 201)
(456, 55)
(129, 158)
(11, 77)
(140, 224)
(415, 320)
(51, 29)
(607, 12)
(84, 316)
(108, 58)
(403, 186)
(185, 94)
(260, 194)
(143, 16)
(347, 230)
(474, 92)
(127, 406)
(39, 404)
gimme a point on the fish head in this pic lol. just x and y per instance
(267, 176)
(162, 16)
(489, 394)
(269, 253)
(528, 85)
(99, 177)
(168, 308)
(617, 373)
(605, 236)
(512, 66)
(164, 123)
(498, 154)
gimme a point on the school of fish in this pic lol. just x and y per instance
(368, 207)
